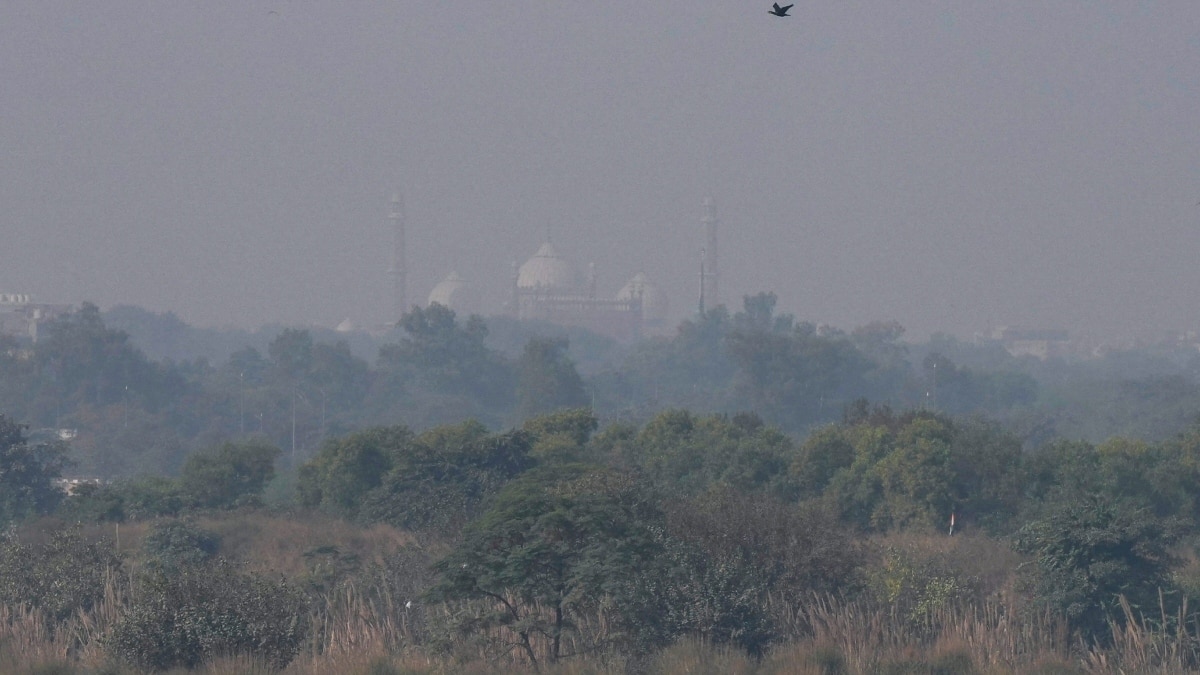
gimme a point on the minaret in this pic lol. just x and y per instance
(710, 273)
(398, 271)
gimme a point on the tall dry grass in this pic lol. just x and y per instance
(29, 639)
(867, 635)
(1169, 642)
(366, 625)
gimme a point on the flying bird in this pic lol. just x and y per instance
(779, 11)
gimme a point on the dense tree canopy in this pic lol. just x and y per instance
(28, 472)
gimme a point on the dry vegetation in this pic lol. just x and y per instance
(365, 630)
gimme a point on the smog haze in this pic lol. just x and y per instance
(952, 166)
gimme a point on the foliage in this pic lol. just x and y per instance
(723, 554)
(547, 379)
(173, 544)
(916, 584)
(27, 473)
(796, 550)
(347, 468)
(439, 354)
(688, 592)
(960, 390)
(561, 436)
(228, 475)
(192, 614)
(87, 361)
(687, 453)
(1089, 551)
(564, 542)
(796, 375)
(62, 575)
(691, 369)
(445, 477)
(887, 471)
(128, 499)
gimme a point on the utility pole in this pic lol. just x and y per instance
(398, 271)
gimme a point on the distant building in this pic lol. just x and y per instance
(1042, 343)
(547, 288)
(20, 316)
(458, 294)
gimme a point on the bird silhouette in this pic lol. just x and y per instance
(779, 11)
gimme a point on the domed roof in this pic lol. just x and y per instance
(456, 293)
(547, 270)
(346, 326)
(654, 300)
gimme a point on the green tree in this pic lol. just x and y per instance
(691, 370)
(915, 476)
(347, 468)
(27, 473)
(1092, 549)
(561, 436)
(291, 355)
(447, 477)
(439, 354)
(794, 375)
(563, 542)
(173, 544)
(61, 576)
(193, 614)
(85, 361)
(687, 453)
(547, 379)
(228, 475)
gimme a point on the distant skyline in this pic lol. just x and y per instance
(951, 166)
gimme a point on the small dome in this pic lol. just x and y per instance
(547, 270)
(654, 300)
(346, 326)
(456, 293)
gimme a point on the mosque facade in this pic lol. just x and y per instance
(21, 317)
(547, 287)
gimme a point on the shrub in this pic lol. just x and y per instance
(175, 543)
(1091, 550)
(61, 577)
(197, 613)
(230, 475)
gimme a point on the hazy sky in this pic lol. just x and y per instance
(950, 165)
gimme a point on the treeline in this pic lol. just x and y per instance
(564, 540)
(133, 414)
(136, 415)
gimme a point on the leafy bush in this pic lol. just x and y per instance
(230, 475)
(194, 614)
(27, 473)
(553, 547)
(447, 478)
(175, 543)
(132, 499)
(1089, 551)
(64, 575)
(687, 592)
(917, 583)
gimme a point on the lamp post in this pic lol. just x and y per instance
(294, 392)
(242, 403)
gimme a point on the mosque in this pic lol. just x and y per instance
(21, 317)
(547, 287)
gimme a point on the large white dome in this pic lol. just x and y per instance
(654, 300)
(456, 293)
(547, 270)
